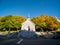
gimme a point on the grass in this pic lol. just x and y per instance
(6, 32)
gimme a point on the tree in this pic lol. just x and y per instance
(0, 23)
(52, 23)
(8, 23)
(17, 21)
(46, 23)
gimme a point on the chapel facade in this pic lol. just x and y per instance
(27, 28)
(28, 25)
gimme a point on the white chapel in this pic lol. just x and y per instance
(27, 28)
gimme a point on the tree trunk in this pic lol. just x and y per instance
(42, 29)
(17, 30)
(9, 32)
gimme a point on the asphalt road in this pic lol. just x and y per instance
(31, 42)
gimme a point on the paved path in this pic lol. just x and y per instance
(31, 42)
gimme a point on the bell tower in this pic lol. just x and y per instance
(28, 18)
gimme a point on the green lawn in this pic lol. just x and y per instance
(6, 32)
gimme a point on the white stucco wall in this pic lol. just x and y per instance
(27, 29)
(26, 24)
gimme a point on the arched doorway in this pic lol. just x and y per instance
(28, 28)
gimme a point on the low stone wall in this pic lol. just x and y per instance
(45, 34)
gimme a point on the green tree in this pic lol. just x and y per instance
(17, 21)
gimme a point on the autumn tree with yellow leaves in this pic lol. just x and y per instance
(45, 23)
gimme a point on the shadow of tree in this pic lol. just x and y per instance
(31, 34)
(27, 34)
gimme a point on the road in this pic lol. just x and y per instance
(31, 42)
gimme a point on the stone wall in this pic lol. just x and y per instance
(46, 34)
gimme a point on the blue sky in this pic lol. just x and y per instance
(32, 7)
